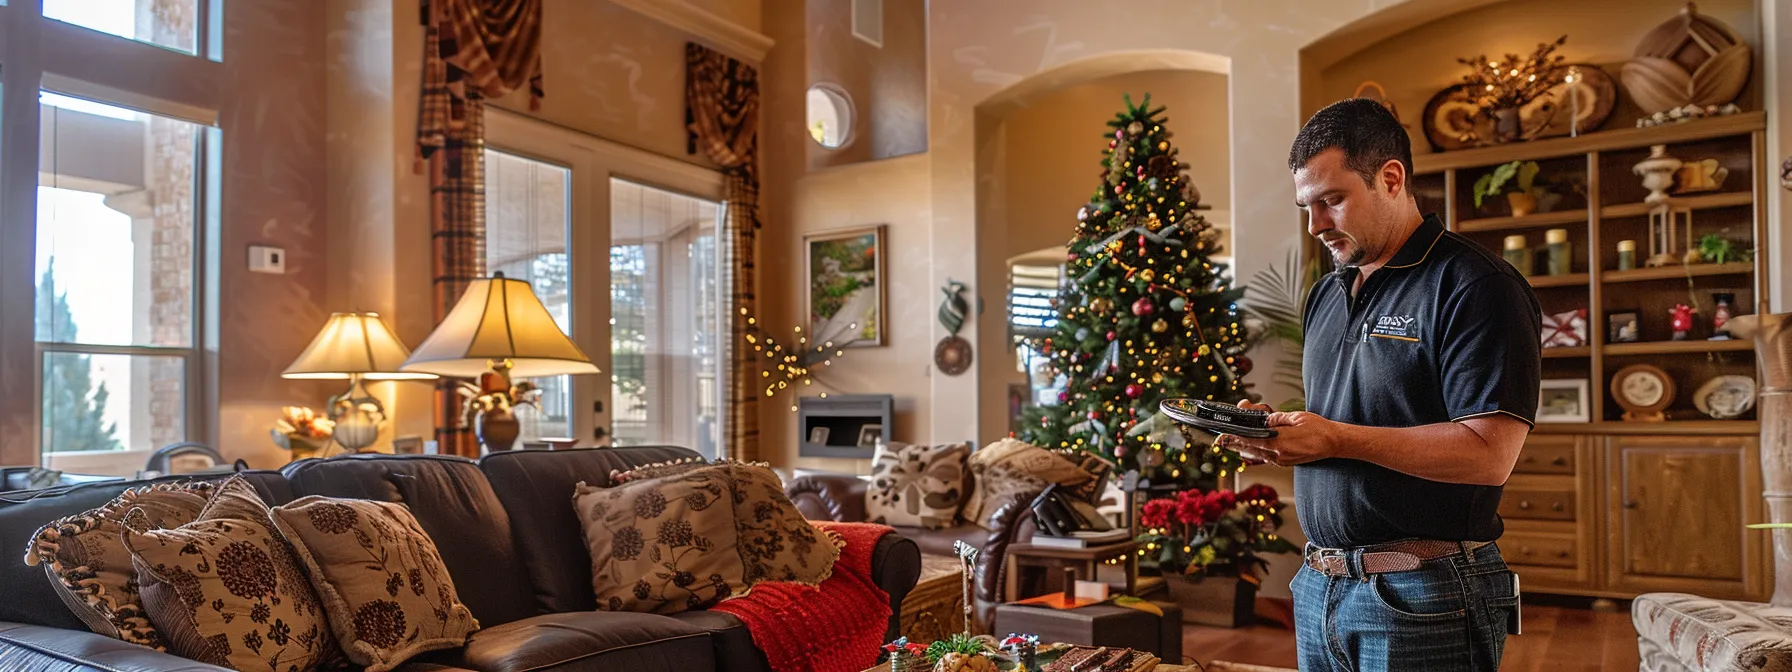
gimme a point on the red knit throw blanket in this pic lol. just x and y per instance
(835, 627)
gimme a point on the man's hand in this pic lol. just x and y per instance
(1301, 437)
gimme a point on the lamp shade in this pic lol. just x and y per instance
(499, 319)
(353, 344)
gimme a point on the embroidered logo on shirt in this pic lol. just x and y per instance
(1397, 327)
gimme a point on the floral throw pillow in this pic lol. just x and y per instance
(776, 542)
(917, 485)
(1010, 468)
(90, 569)
(380, 577)
(226, 590)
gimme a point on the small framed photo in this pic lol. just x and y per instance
(1623, 326)
(869, 435)
(1563, 401)
(407, 445)
(818, 435)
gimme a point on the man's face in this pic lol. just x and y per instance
(1353, 220)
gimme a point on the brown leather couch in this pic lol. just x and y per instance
(841, 497)
(507, 532)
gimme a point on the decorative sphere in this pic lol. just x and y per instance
(1111, 335)
(1142, 307)
(1101, 304)
(1135, 128)
(1045, 422)
(1122, 450)
(1135, 390)
(1120, 134)
(1178, 303)
(1157, 377)
(1094, 415)
(1147, 275)
(1160, 326)
(1243, 364)
(1071, 257)
(1188, 320)
(1082, 213)
(1082, 334)
(1063, 396)
(1119, 189)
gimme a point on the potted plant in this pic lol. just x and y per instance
(1529, 193)
(1210, 547)
(302, 432)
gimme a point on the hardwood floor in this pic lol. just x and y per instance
(1556, 638)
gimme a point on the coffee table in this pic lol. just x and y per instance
(1161, 667)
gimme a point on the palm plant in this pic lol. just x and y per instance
(1277, 296)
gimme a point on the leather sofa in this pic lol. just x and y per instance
(507, 532)
(841, 497)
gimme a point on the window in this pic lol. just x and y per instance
(1031, 316)
(665, 315)
(173, 24)
(117, 310)
(527, 217)
(830, 116)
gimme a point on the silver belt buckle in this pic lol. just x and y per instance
(1321, 555)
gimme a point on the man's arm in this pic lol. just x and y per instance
(1476, 451)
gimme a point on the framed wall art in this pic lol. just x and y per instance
(1563, 401)
(845, 288)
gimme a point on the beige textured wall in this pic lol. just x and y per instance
(1052, 151)
(1777, 39)
(1417, 63)
(273, 183)
(888, 84)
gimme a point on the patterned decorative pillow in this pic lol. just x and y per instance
(225, 589)
(689, 539)
(380, 577)
(917, 485)
(90, 569)
(1009, 468)
(662, 545)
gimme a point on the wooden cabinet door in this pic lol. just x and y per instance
(1677, 508)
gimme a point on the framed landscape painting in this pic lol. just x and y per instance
(845, 289)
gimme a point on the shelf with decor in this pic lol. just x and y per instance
(1678, 272)
(1678, 347)
(1701, 202)
(1568, 352)
(1531, 221)
(1569, 280)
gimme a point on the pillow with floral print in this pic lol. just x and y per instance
(662, 545)
(380, 578)
(226, 590)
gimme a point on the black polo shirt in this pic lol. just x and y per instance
(1445, 331)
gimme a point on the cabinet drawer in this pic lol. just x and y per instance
(1546, 458)
(1531, 549)
(1537, 504)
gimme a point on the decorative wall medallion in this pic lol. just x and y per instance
(1644, 391)
(953, 354)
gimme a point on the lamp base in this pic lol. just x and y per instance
(497, 429)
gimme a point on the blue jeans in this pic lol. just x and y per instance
(1447, 615)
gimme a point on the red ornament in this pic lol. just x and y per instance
(1134, 390)
(1071, 256)
(1111, 335)
(1142, 307)
(1243, 364)
(1119, 189)
(1094, 415)
(1121, 450)
(1045, 422)
(1064, 396)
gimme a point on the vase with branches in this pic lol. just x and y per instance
(1502, 87)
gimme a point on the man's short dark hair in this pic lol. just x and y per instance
(1366, 131)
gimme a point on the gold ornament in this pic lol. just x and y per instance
(1188, 320)
(1101, 305)
(1160, 326)
(1203, 350)
(1147, 275)
(1157, 377)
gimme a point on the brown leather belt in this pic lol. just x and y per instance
(1399, 556)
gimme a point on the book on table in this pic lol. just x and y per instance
(1082, 539)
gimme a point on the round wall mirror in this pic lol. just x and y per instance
(830, 116)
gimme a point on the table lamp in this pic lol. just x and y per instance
(356, 347)
(498, 329)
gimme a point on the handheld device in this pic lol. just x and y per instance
(1219, 418)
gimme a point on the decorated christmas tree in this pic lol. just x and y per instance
(1146, 315)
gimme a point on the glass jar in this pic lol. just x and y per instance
(1518, 254)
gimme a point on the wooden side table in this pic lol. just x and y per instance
(1033, 558)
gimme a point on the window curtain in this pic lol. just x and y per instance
(722, 117)
(472, 50)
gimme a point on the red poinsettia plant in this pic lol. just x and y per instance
(1213, 533)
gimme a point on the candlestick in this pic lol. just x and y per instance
(1573, 101)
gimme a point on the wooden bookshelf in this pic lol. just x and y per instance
(1623, 138)
(1569, 280)
(1704, 202)
(1567, 353)
(1678, 347)
(1534, 220)
(1677, 272)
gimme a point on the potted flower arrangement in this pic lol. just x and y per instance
(1209, 547)
(1503, 87)
(302, 432)
(1531, 195)
(491, 405)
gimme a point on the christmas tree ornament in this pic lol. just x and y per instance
(1134, 390)
(953, 353)
(1157, 377)
(1082, 334)
(1243, 364)
(1101, 305)
(1147, 275)
(1188, 320)
(1142, 307)
(1082, 214)
(1112, 335)
(1135, 128)
(1178, 303)
(1160, 326)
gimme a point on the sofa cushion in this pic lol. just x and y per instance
(662, 545)
(379, 577)
(29, 596)
(917, 485)
(588, 640)
(1010, 467)
(536, 488)
(455, 506)
(89, 568)
(1705, 634)
(729, 638)
(225, 589)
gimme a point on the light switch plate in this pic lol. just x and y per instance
(267, 259)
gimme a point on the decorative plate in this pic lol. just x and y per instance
(1725, 397)
(952, 355)
(1643, 389)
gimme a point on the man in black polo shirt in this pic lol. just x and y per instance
(1421, 368)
